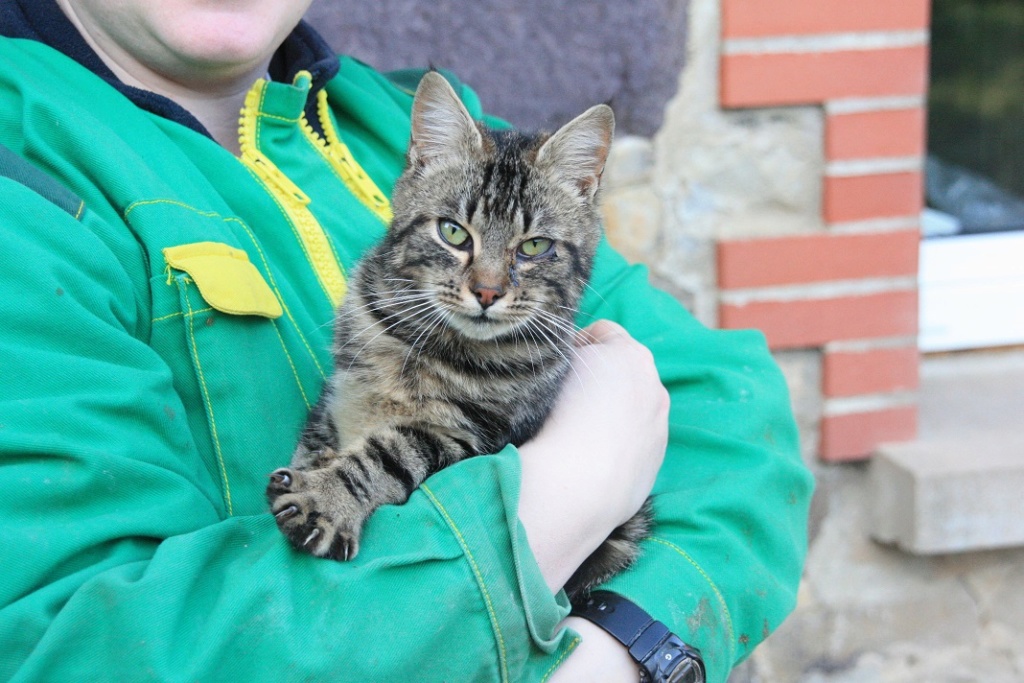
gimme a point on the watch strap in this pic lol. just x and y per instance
(650, 643)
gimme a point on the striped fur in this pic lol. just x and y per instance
(446, 348)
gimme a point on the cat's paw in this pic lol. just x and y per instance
(316, 513)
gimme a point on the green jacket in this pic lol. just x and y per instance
(167, 313)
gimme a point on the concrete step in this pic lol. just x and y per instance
(960, 486)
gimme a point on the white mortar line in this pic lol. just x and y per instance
(825, 42)
(818, 290)
(863, 345)
(860, 105)
(870, 402)
(848, 168)
(876, 225)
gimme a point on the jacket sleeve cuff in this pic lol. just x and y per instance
(524, 615)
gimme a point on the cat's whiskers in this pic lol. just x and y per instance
(567, 328)
(589, 286)
(576, 312)
(374, 306)
(517, 334)
(561, 353)
(329, 323)
(398, 314)
(537, 308)
(434, 319)
(536, 325)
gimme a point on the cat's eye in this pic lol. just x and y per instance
(538, 246)
(453, 233)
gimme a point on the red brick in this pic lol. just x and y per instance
(762, 80)
(808, 323)
(863, 135)
(756, 18)
(884, 195)
(817, 257)
(852, 373)
(856, 435)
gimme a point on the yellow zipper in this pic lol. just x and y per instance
(344, 164)
(292, 200)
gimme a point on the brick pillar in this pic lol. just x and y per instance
(847, 288)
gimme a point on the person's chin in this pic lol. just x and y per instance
(225, 40)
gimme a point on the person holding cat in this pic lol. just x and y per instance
(186, 186)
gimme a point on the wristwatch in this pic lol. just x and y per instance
(660, 654)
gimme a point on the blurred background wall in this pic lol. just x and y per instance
(537, 63)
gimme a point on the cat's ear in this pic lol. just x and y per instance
(441, 126)
(578, 151)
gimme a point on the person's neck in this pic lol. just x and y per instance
(217, 108)
(215, 102)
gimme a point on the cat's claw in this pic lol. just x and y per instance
(314, 514)
(281, 478)
(344, 548)
(289, 511)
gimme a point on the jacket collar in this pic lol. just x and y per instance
(44, 22)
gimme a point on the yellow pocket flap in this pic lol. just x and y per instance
(225, 278)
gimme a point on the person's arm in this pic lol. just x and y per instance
(731, 501)
(576, 486)
(722, 566)
(119, 562)
(732, 498)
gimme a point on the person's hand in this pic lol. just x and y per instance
(594, 462)
(598, 658)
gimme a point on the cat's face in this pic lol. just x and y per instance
(497, 230)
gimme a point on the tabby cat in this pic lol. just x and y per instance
(457, 330)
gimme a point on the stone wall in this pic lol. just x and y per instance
(802, 209)
(787, 186)
(537, 63)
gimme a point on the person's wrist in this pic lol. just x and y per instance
(598, 657)
(560, 536)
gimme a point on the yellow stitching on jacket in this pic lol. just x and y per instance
(341, 159)
(568, 651)
(303, 124)
(343, 172)
(502, 657)
(206, 399)
(266, 265)
(81, 210)
(295, 231)
(277, 292)
(176, 314)
(293, 201)
(295, 373)
(173, 202)
(286, 119)
(256, 245)
(718, 593)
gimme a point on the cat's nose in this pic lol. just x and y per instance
(487, 294)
